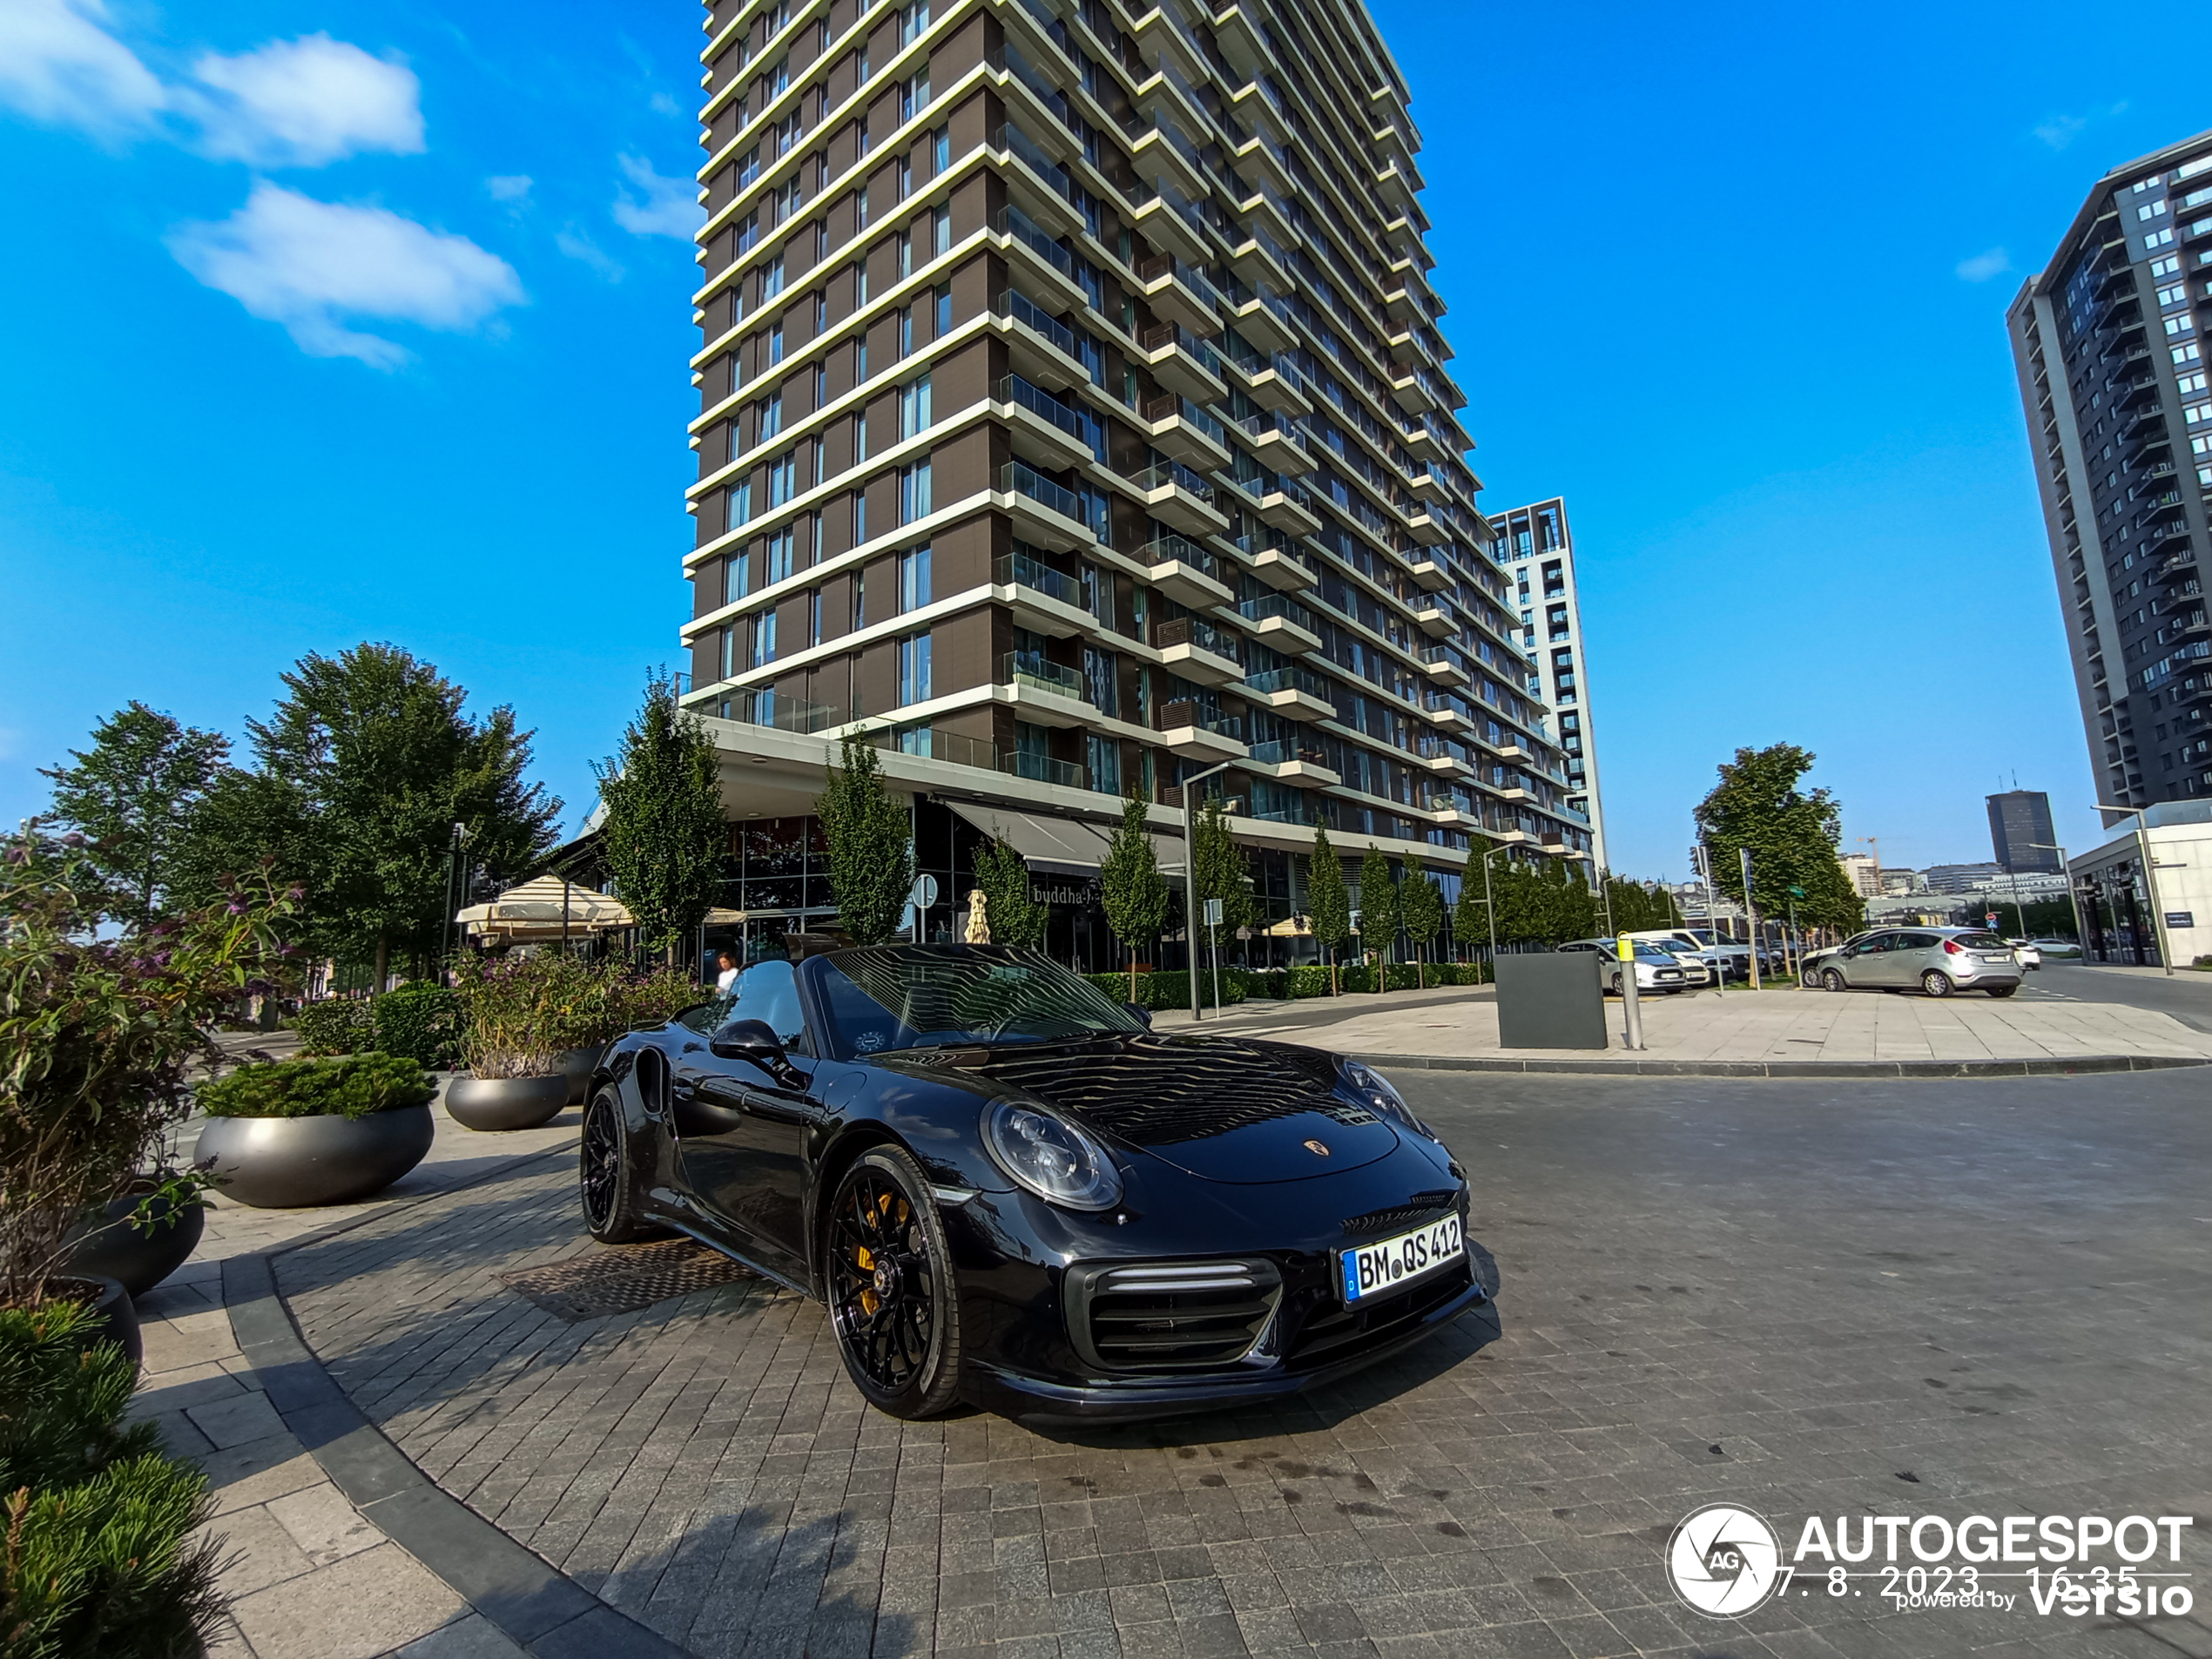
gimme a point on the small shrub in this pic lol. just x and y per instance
(421, 1023)
(96, 1561)
(350, 1086)
(1308, 982)
(336, 1025)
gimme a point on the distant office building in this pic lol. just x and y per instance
(2020, 832)
(1865, 872)
(1901, 883)
(1533, 545)
(1961, 878)
(2107, 340)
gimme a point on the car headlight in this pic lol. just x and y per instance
(1059, 1160)
(1372, 1089)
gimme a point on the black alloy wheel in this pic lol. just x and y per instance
(607, 1176)
(892, 1294)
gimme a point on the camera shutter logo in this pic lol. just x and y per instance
(1723, 1562)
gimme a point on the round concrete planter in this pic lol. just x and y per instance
(116, 1320)
(106, 1245)
(297, 1163)
(576, 1064)
(506, 1102)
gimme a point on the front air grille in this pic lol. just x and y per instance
(1422, 1206)
(1333, 1331)
(1170, 1316)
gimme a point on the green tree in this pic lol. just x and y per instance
(1518, 892)
(1422, 900)
(1015, 918)
(666, 832)
(1130, 886)
(1471, 917)
(133, 795)
(1791, 835)
(1328, 901)
(1569, 908)
(871, 845)
(1378, 912)
(1220, 872)
(360, 772)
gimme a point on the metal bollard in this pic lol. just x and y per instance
(1631, 1010)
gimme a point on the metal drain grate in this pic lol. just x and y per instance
(624, 1279)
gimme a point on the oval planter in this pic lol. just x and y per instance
(115, 1319)
(576, 1065)
(506, 1102)
(106, 1245)
(298, 1163)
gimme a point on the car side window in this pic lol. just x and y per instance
(1870, 947)
(1916, 941)
(769, 992)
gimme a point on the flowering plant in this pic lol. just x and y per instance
(522, 1012)
(97, 1036)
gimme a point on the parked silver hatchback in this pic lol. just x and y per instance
(1938, 960)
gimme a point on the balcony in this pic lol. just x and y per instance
(1045, 691)
(1277, 443)
(1292, 763)
(1428, 529)
(1438, 665)
(1048, 514)
(1183, 364)
(1281, 623)
(1162, 220)
(1274, 562)
(1185, 432)
(1274, 383)
(1043, 769)
(1187, 730)
(1293, 693)
(1175, 494)
(1434, 620)
(1431, 572)
(1415, 390)
(1043, 599)
(1043, 348)
(1199, 651)
(1043, 429)
(1180, 294)
(779, 711)
(1261, 317)
(1037, 260)
(1185, 572)
(1444, 763)
(1039, 183)
(1285, 508)
(1446, 715)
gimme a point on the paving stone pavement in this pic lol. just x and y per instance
(1812, 1299)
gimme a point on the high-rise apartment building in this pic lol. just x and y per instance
(1535, 549)
(2107, 339)
(2020, 830)
(1074, 419)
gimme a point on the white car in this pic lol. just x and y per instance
(1656, 970)
(2026, 952)
(1724, 960)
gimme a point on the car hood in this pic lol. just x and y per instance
(1245, 1114)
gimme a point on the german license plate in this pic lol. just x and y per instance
(1372, 1269)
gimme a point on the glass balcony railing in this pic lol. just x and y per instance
(1198, 281)
(1287, 679)
(1012, 222)
(1170, 408)
(1284, 755)
(1183, 713)
(1189, 630)
(1016, 479)
(1027, 312)
(1267, 421)
(1020, 569)
(1179, 550)
(1029, 668)
(1275, 604)
(1169, 333)
(1044, 405)
(1174, 474)
(780, 711)
(1024, 763)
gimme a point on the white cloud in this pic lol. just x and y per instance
(290, 259)
(305, 103)
(670, 207)
(661, 103)
(510, 188)
(577, 245)
(1983, 266)
(58, 64)
(2061, 130)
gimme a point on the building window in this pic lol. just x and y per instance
(940, 149)
(764, 639)
(814, 616)
(734, 583)
(1103, 758)
(783, 480)
(913, 21)
(860, 600)
(729, 652)
(913, 94)
(1101, 678)
(776, 340)
(737, 505)
(914, 669)
(913, 492)
(940, 225)
(944, 321)
(859, 516)
(913, 578)
(904, 176)
(772, 414)
(914, 407)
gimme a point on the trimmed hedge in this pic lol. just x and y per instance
(1160, 991)
(336, 1025)
(96, 1556)
(422, 1023)
(349, 1086)
(1172, 990)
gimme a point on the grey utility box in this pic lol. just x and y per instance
(1551, 1001)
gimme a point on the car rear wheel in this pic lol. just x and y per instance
(1935, 982)
(1833, 980)
(2000, 990)
(893, 1295)
(607, 1176)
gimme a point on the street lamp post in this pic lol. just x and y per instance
(1191, 881)
(1490, 908)
(2150, 883)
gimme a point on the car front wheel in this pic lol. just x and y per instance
(893, 1295)
(607, 1176)
(1833, 980)
(1937, 984)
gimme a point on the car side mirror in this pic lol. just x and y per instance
(1145, 1014)
(751, 1041)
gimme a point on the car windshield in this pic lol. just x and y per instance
(884, 998)
(767, 992)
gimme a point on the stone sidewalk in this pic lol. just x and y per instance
(307, 1574)
(1782, 1028)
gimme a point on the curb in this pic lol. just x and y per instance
(534, 1605)
(2073, 1066)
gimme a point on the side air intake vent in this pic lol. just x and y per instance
(1170, 1316)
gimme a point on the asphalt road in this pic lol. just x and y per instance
(2187, 996)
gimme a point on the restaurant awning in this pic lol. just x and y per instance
(545, 900)
(1049, 844)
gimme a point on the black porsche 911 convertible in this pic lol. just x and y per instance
(1008, 1188)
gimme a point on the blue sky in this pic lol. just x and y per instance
(327, 323)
